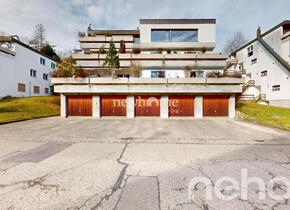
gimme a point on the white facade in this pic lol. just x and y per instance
(191, 47)
(206, 32)
(15, 69)
(270, 76)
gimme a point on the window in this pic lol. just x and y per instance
(21, 87)
(46, 90)
(52, 65)
(45, 76)
(32, 73)
(183, 35)
(264, 73)
(275, 87)
(160, 35)
(155, 74)
(254, 61)
(174, 35)
(250, 50)
(197, 74)
(42, 61)
(36, 89)
(137, 40)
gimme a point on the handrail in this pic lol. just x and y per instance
(248, 84)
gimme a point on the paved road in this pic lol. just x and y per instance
(83, 163)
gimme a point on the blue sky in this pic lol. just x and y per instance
(63, 18)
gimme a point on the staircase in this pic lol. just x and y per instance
(260, 98)
(250, 83)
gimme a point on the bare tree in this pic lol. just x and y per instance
(235, 42)
(39, 36)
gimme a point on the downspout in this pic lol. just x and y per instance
(281, 60)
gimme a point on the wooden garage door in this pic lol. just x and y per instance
(79, 105)
(181, 105)
(113, 105)
(147, 105)
(215, 105)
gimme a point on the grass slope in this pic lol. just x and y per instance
(17, 109)
(277, 117)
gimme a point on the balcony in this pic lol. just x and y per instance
(147, 85)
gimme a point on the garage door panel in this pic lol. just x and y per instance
(113, 105)
(79, 105)
(216, 105)
(147, 105)
(181, 105)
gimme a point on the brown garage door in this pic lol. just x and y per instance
(181, 105)
(79, 105)
(113, 105)
(215, 105)
(147, 105)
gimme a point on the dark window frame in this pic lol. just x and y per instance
(169, 39)
(276, 88)
(264, 73)
(33, 73)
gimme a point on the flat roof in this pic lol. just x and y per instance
(113, 32)
(177, 21)
(285, 22)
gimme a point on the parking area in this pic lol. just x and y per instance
(142, 163)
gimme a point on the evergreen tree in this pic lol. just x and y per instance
(49, 51)
(112, 58)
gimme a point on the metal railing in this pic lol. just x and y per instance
(248, 84)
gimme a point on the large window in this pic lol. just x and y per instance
(183, 36)
(160, 35)
(174, 35)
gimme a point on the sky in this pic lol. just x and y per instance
(62, 19)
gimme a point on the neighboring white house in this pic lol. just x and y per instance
(266, 62)
(23, 70)
(173, 58)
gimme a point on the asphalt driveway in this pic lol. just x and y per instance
(84, 163)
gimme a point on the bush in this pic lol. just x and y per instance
(214, 74)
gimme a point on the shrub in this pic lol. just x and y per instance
(214, 74)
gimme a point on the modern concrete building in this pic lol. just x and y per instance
(164, 68)
(24, 71)
(265, 62)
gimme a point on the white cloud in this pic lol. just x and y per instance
(63, 18)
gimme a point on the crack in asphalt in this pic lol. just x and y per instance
(118, 182)
(39, 181)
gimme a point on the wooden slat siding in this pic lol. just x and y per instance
(147, 105)
(79, 105)
(215, 105)
(113, 105)
(181, 106)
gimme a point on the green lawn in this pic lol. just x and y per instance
(265, 115)
(17, 109)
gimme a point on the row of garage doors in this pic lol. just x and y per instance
(115, 105)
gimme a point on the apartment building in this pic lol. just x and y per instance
(173, 58)
(265, 61)
(24, 71)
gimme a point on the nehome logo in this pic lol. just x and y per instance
(228, 188)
